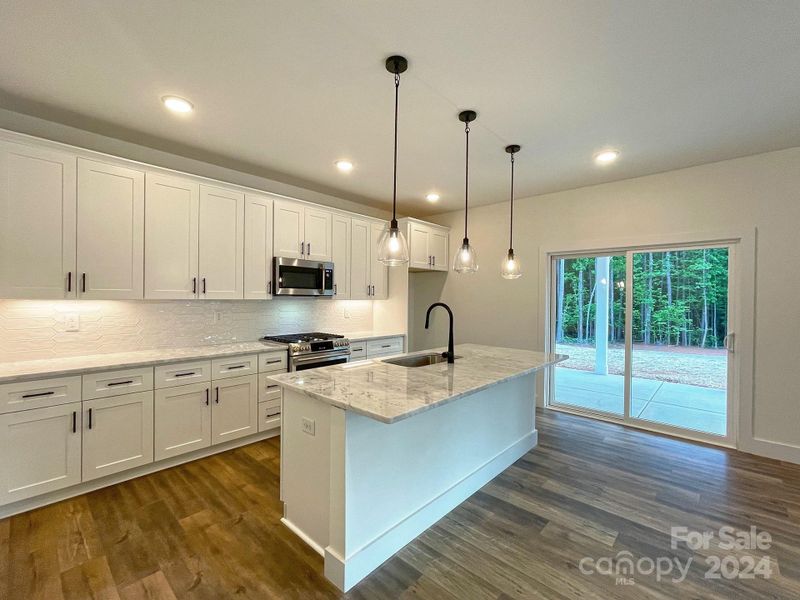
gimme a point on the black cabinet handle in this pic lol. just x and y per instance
(335, 289)
(273, 414)
(83, 282)
(90, 418)
(386, 346)
(204, 285)
(308, 249)
(113, 383)
(74, 421)
(272, 362)
(208, 392)
(184, 374)
(269, 287)
(69, 281)
(217, 395)
(194, 285)
(236, 367)
(302, 248)
(38, 394)
(272, 386)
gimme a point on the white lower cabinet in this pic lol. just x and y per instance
(182, 419)
(234, 412)
(117, 434)
(40, 451)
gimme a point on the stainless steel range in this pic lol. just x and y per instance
(312, 350)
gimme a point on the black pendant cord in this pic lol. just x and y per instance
(511, 232)
(466, 185)
(394, 184)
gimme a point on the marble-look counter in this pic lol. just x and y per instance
(75, 365)
(389, 393)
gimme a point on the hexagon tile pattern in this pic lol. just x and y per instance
(37, 329)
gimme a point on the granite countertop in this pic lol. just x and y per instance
(357, 336)
(76, 365)
(390, 393)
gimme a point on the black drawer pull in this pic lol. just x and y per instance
(113, 383)
(272, 362)
(39, 394)
(216, 399)
(273, 414)
(272, 386)
(90, 418)
(208, 392)
(236, 367)
(185, 374)
(74, 421)
(386, 346)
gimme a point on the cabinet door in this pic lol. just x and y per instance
(117, 434)
(360, 260)
(340, 253)
(289, 229)
(182, 419)
(221, 254)
(234, 412)
(37, 222)
(379, 272)
(110, 231)
(419, 246)
(318, 234)
(439, 249)
(40, 451)
(170, 233)
(257, 247)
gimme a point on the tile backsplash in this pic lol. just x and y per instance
(37, 329)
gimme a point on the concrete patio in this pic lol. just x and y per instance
(680, 405)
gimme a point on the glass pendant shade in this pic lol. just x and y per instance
(466, 261)
(510, 267)
(392, 247)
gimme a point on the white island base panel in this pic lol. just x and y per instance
(357, 490)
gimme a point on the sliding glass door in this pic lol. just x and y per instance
(647, 332)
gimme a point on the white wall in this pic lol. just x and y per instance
(758, 192)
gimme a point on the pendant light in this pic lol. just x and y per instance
(392, 247)
(466, 260)
(510, 267)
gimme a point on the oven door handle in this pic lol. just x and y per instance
(320, 358)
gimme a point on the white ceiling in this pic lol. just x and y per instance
(286, 88)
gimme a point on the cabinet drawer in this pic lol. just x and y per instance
(182, 374)
(358, 351)
(234, 366)
(39, 394)
(273, 362)
(269, 415)
(267, 389)
(114, 383)
(384, 346)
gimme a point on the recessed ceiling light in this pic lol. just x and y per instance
(432, 197)
(345, 166)
(177, 104)
(606, 157)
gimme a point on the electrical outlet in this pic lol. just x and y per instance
(346, 313)
(72, 322)
(217, 316)
(309, 426)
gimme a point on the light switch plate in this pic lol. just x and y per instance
(309, 426)
(72, 322)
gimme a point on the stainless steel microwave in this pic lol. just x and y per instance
(296, 277)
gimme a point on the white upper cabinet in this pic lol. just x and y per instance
(171, 217)
(302, 231)
(257, 247)
(317, 234)
(360, 256)
(37, 222)
(340, 254)
(221, 238)
(289, 231)
(379, 272)
(110, 231)
(427, 246)
(439, 242)
(419, 238)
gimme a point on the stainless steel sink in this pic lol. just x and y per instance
(417, 360)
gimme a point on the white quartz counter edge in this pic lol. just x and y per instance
(76, 365)
(421, 408)
(362, 336)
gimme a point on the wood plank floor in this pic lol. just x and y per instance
(210, 529)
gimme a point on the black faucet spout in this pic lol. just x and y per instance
(450, 354)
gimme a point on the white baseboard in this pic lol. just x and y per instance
(302, 535)
(346, 572)
(89, 486)
(776, 450)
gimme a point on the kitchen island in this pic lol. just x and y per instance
(373, 453)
